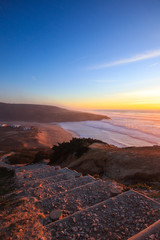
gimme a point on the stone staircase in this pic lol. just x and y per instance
(63, 204)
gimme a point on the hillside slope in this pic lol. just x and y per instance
(42, 113)
(128, 165)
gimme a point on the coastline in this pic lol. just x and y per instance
(73, 133)
(121, 131)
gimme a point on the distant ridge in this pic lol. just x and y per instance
(43, 114)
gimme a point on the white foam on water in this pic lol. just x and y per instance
(125, 128)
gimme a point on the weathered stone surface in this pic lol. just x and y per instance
(103, 221)
(79, 198)
(39, 174)
(59, 175)
(51, 188)
(56, 215)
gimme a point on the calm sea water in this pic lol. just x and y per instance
(125, 128)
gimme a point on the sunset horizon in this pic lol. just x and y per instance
(84, 55)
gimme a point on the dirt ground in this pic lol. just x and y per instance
(39, 136)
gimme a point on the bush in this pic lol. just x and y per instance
(29, 156)
(40, 155)
(142, 186)
(6, 180)
(77, 146)
(23, 157)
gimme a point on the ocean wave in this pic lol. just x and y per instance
(130, 130)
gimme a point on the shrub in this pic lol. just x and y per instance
(40, 155)
(6, 180)
(77, 146)
(29, 156)
(142, 186)
(23, 157)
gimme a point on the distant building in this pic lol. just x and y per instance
(26, 128)
(4, 125)
(16, 126)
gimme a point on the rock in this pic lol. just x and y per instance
(152, 236)
(75, 229)
(78, 175)
(56, 215)
(115, 189)
(74, 219)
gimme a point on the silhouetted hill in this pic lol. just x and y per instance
(42, 113)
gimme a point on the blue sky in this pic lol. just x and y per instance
(81, 54)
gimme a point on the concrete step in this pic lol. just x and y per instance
(31, 167)
(45, 171)
(119, 217)
(49, 189)
(151, 232)
(41, 173)
(80, 197)
(58, 176)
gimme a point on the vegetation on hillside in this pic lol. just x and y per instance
(77, 147)
(6, 177)
(7, 186)
(29, 156)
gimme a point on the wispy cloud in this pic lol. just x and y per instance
(151, 94)
(136, 58)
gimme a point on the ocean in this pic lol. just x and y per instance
(124, 129)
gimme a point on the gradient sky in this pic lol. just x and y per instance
(93, 54)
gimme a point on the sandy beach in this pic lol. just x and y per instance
(50, 134)
(43, 135)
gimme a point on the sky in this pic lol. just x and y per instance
(83, 54)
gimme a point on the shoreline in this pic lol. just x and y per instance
(118, 132)
(50, 134)
(73, 133)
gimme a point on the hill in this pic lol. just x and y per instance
(43, 114)
(128, 165)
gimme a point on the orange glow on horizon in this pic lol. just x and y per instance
(147, 99)
(110, 104)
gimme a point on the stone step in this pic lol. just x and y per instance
(31, 167)
(119, 217)
(80, 197)
(60, 175)
(36, 173)
(151, 232)
(48, 190)
(44, 173)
